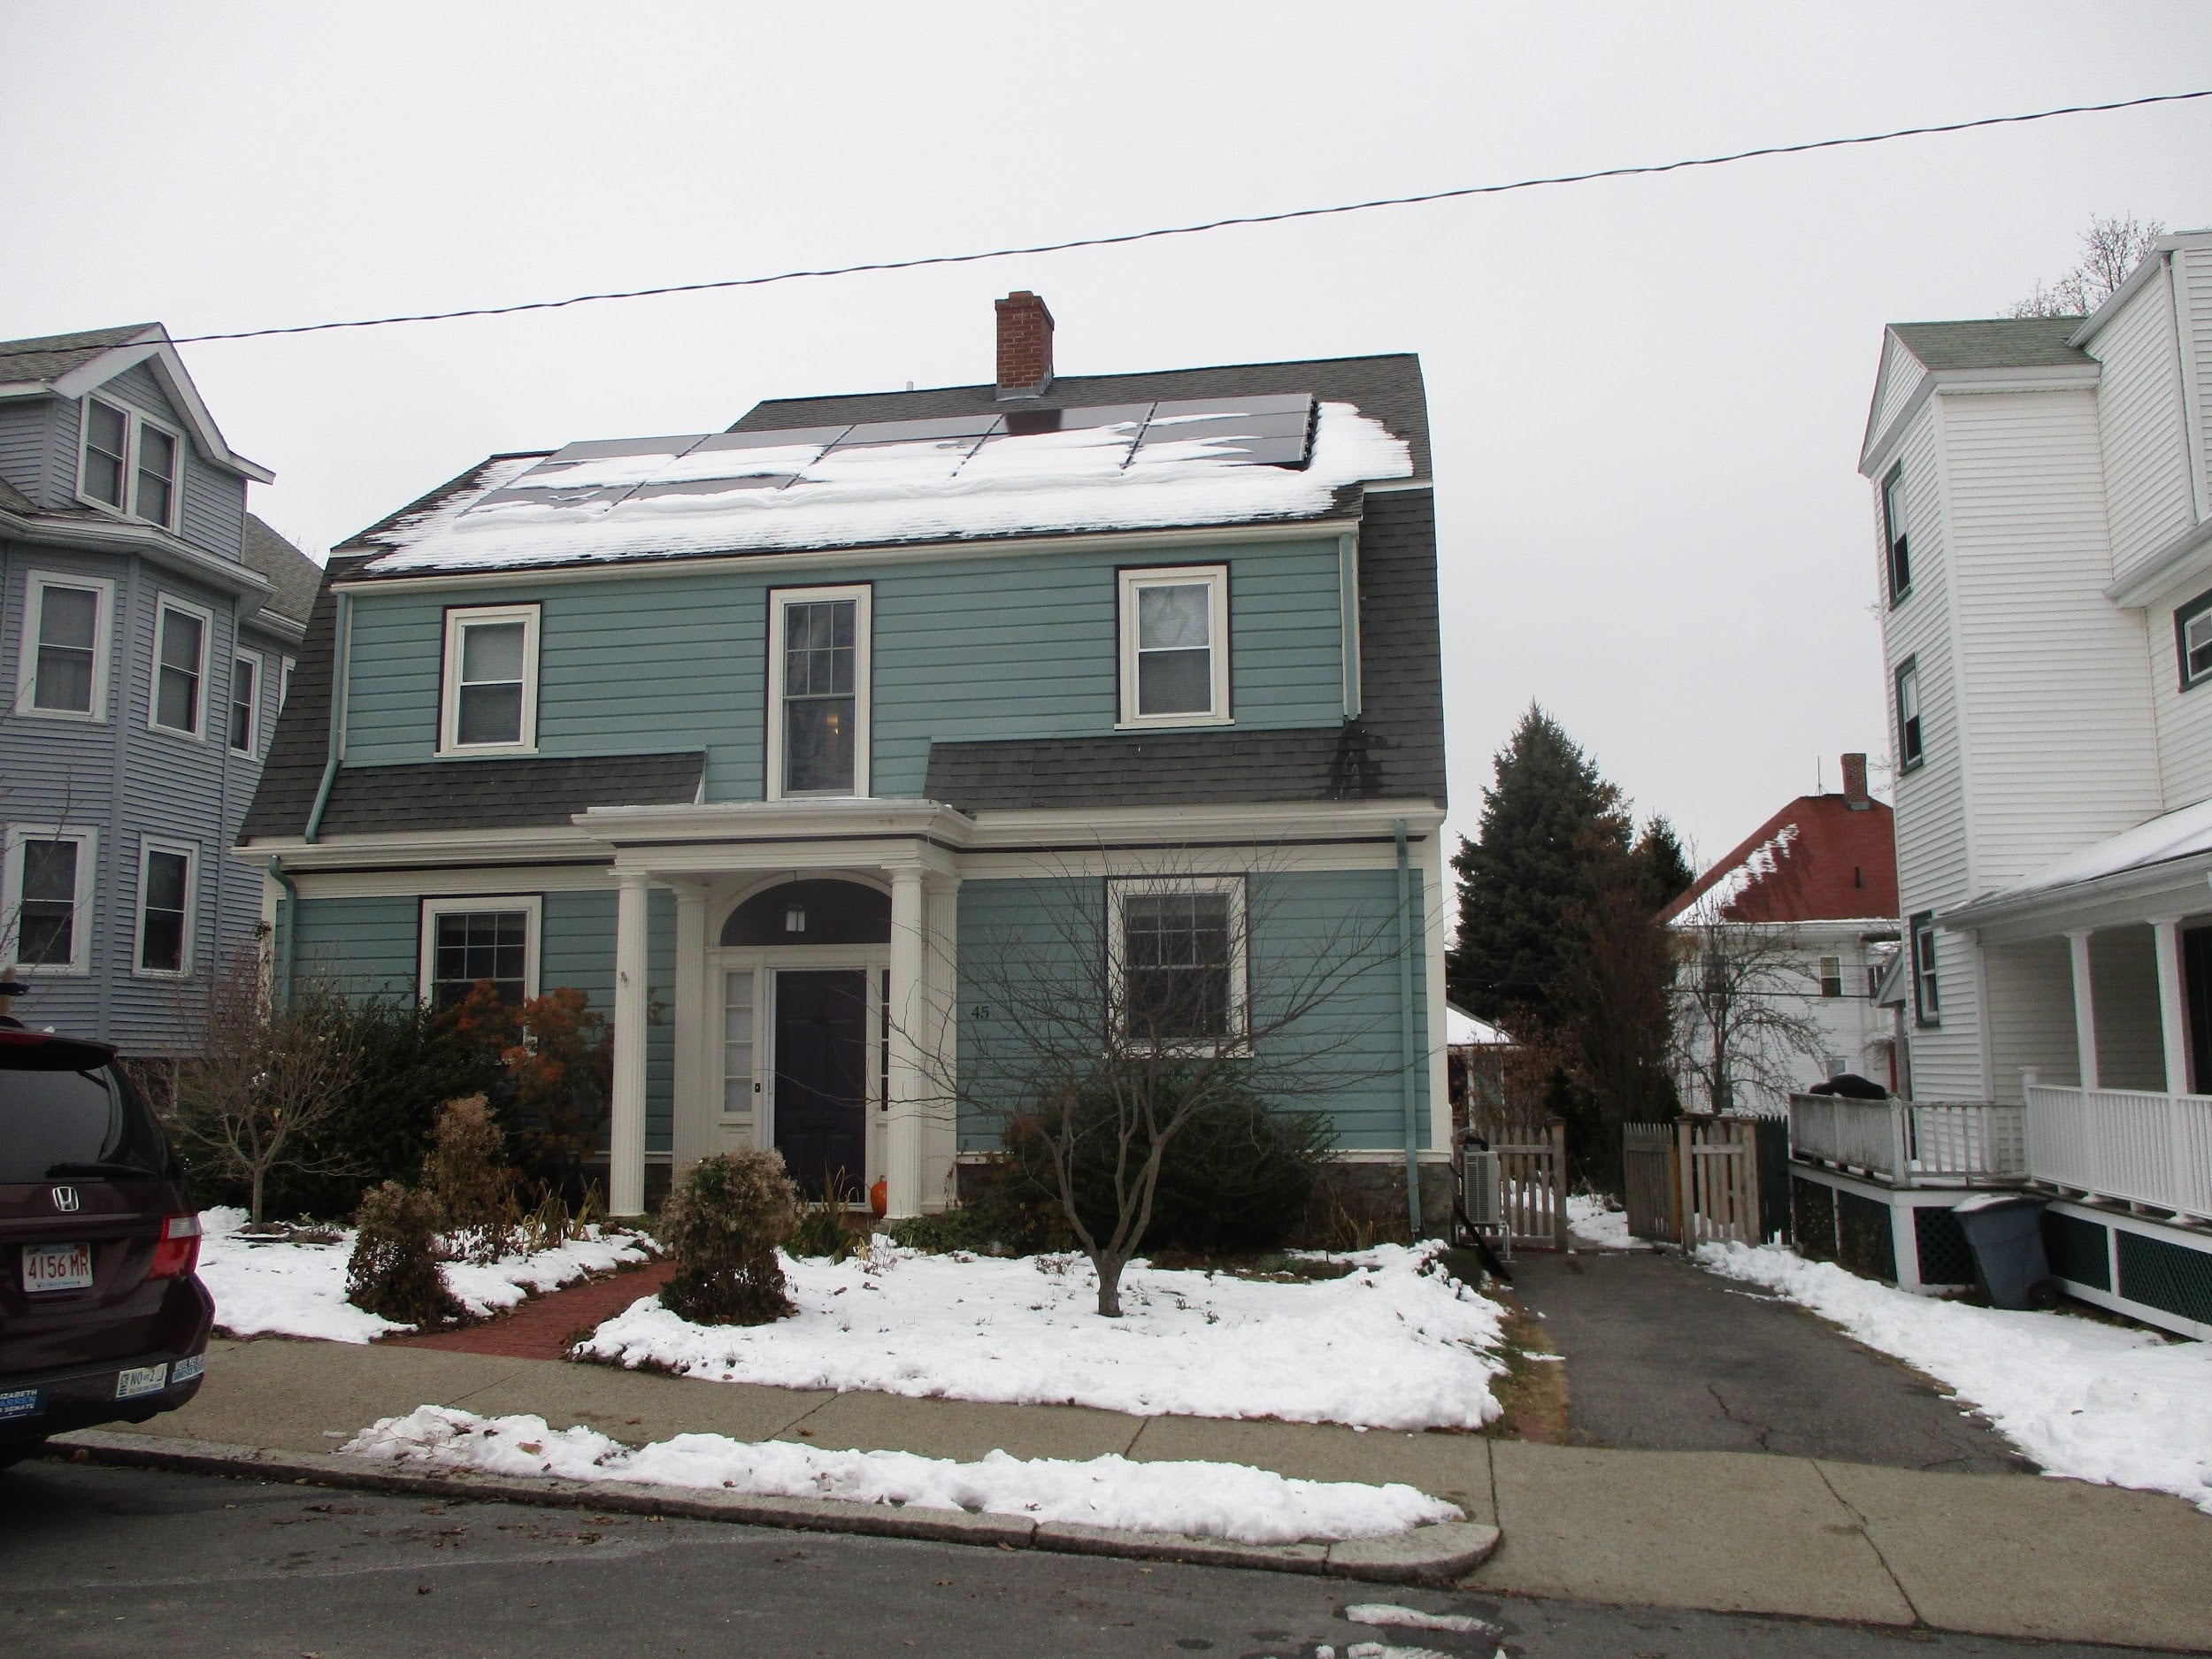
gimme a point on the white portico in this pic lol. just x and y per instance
(815, 952)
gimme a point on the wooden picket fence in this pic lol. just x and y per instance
(1693, 1181)
(1534, 1179)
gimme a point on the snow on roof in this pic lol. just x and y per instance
(1130, 466)
(2170, 836)
(1463, 1030)
(1760, 863)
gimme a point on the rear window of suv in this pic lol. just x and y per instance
(67, 1113)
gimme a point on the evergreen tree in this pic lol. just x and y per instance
(1665, 867)
(1521, 881)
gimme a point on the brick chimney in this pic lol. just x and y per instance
(1855, 794)
(1025, 345)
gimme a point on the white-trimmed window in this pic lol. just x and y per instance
(1174, 646)
(1178, 962)
(1831, 976)
(129, 464)
(817, 691)
(468, 940)
(245, 703)
(490, 704)
(168, 881)
(46, 897)
(63, 667)
(1927, 1002)
(1911, 751)
(178, 701)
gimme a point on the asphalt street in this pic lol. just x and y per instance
(111, 1561)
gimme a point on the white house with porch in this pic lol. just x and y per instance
(2042, 494)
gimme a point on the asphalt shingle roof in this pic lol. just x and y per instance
(1994, 342)
(49, 357)
(295, 576)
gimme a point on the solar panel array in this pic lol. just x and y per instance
(1274, 431)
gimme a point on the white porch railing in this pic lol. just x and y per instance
(2129, 1144)
(1912, 1143)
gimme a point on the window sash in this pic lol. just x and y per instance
(181, 665)
(1179, 960)
(1893, 534)
(164, 909)
(737, 1043)
(1927, 998)
(155, 498)
(106, 464)
(1174, 646)
(245, 679)
(469, 947)
(64, 678)
(1908, 731)
(818, 692)
(1831, 976)
(491, 668)
(46, 915)
(2192, 640)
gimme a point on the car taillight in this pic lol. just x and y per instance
(177, 1252)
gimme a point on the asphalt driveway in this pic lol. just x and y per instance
(1664, 1356)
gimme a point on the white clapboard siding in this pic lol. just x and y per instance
(2031, 1015)
(2193, 275)
(1931, 868)
(2057, 676)
(2145, 442)
(1899, 378)
(2184, 718)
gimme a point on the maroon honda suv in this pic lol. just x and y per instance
(101, 1316)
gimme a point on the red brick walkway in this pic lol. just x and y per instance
(544, 1326)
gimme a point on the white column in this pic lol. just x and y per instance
(903, 1032)
(688, 1137)
(940, 1142)
(625, 1170)
(2085, 1009)
(2173, 1004)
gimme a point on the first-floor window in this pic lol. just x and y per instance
(164, 907)
(1177, 949)
(1927, 1002)
(817, 670)
(46, 900)
(1908, 745)
(472, 941)
(1831, 976)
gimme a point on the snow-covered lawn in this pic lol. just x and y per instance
(1594, 1227)
(1226, 1501)
(287, 1289)
(2118, 1406)
(1398, 1343)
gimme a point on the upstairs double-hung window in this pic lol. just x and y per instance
(180, 689)
(1894, 537)
(1910, 750)
(490, 704)
(817, 691)
(1175, 646)
(63, 669)
(127, 464)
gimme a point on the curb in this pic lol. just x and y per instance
(1427, 1555)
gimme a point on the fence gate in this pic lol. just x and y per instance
(1693, 1181)
(1533, 1183)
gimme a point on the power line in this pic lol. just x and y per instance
(1125, 238)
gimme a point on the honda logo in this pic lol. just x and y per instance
(66, 1200)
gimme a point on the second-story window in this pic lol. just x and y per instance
(1926, 1003)
(64, 666)
(491, 679)
(2192, 640)
(1831, 976)
(1910, 752)
(817, 691)
(126, 463)
(106, 469)
(1894, 536)
(181, 633)
(245, 687)
(1175, 646)
(164, 907)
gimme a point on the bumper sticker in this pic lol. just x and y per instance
(21, 1402)
(186, 1370)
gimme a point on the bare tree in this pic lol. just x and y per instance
(1113, 1010)
(259, 1078)
(1740, 996)
(2112, 246)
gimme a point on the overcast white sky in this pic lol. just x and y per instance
(1646, 395)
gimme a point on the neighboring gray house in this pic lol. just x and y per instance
(148, 626)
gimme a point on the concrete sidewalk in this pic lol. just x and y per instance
(1995, 1554)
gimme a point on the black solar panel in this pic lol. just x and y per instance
(915, 431)
(798, 438)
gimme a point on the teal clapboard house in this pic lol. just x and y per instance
(814, 750)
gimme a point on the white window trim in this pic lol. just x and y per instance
(778, 599)
(148, 846)
(12, 896)
(163, 604)
(457, 621)
(254, 660)
(469, 904)
(1118, 890)
(35, 584)
(134, 422)
(284, 682)
(1216, 576)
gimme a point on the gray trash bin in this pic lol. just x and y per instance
(2005, 1231)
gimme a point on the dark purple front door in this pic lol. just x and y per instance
(822, 1078)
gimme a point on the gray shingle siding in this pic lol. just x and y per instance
(294, 769)
(540, 793)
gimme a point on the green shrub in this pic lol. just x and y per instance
(467, 1173)
(1234, 1178)
(722, 1225)
(1004, 1214)
(394, 1270)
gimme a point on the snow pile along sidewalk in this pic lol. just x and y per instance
(1397, 1343)
(1225, 1500)
(2118, 1406)
(265, 1288)
(1596, 1227)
